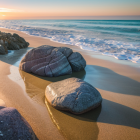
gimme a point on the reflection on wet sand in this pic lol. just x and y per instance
(15, 56)
(76, 127)
(40, 82)
(71, 126)
(34, 86)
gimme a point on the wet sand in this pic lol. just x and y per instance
(117, 118)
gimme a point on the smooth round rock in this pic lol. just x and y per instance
(13, 126)
(73, 95)
(52, 61)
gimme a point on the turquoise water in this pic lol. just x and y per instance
(116, 38)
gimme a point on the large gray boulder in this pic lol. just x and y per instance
(73, 95)
(13, 126)
(52, 61)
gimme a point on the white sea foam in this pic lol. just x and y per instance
(86, 40)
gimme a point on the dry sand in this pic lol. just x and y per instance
(117, 118)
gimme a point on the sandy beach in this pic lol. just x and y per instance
(118, 118)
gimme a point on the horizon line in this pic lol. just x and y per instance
(116, 17)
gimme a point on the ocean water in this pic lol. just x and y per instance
(116, 38)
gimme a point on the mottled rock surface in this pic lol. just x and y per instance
(73, 95)
(76, 61)
(13, 126)
(52, 61)
(11, 42)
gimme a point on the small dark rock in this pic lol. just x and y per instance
(11, 42)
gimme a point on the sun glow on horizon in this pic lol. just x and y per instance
(9, 10)
(66, 9)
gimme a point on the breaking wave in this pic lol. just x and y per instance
(119, 39)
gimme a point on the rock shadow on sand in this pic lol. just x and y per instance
(106, 79)
(112, 113)
(85, 126)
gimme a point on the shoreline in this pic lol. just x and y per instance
(100, 55)
(105, 61)
(119, 85)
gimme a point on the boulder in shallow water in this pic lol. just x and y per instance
(52, 61)
(73, 95)
(13, 126)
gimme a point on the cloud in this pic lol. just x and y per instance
(9, 10)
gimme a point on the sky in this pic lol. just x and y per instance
(44, 9)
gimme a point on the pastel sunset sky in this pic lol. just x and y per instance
(44, 9)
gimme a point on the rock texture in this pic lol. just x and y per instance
(73, 95)
(11, 42)
(52, 61)
(76, 61)
(2, 50)
(13, 126)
